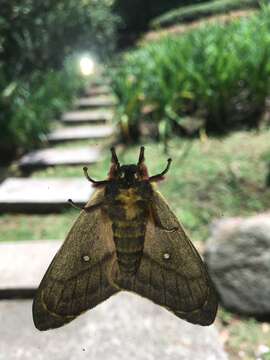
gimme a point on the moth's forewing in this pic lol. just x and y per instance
(171, 272)
(77, 278)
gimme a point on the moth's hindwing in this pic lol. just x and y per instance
(171, 272)
(77, 278)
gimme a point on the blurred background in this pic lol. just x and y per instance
(188, 80)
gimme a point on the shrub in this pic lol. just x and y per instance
(218, 75)
(29, 106)
(197, 11)
(40, 34)
(36, 80)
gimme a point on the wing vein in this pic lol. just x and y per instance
(86, 290)
(59, 300)
(72, 296)
(164, 286)
(179, 291)
(100, 280)
(134, 283)
(150, 279)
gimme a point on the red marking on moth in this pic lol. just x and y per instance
(143, 172)
(161, 178)
(97, 185)
(113, 172)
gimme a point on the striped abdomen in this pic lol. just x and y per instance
(129, 243)
(129, 213)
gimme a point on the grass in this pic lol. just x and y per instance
(208, 179)
(19, 227)
(215, 77)
(244, 338)
(76, 144)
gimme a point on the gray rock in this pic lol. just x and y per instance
(87, 116)
(53, 157)
(238, 257)
(80, 133)
(125, 326)
(42, 195)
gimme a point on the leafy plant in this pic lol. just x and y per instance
(31, 105)
(36, 79)
(215, 77)
(41, 34)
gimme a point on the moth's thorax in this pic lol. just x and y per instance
(128, 209)
(131, 202)
(127, 202)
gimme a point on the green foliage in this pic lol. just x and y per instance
(36, 79)
(197, 11)
(39, 34)
(216, 76)
(30, 105)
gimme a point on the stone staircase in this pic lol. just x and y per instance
(124, 327)
(42, 195)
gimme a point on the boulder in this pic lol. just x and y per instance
(238, 258)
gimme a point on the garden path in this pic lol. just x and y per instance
(40, 195)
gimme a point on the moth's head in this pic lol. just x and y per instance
(128, 174)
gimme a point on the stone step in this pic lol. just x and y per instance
(54, 157)
(80, 133)
(96, 101)
(42, 195)
(100, 81)
(25, 274)
(123, 327)
(96, 90)
(87, 116)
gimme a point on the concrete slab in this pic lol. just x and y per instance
(87, 116)
(100, 80)
(54, 157)
(81, 133)
(96, 101)
(42, 195)
(98, 90)
(125, 326)
(17, 272)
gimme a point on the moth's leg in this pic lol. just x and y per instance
(158, 222)
(160, 176)
(86, 208)
(96, 183)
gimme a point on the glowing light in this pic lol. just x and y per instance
(87, 65)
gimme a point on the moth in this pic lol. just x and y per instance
(125, 238)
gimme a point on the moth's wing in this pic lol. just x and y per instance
(77, 278)
(171, 272)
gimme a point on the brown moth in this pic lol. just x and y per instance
(125, 238)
